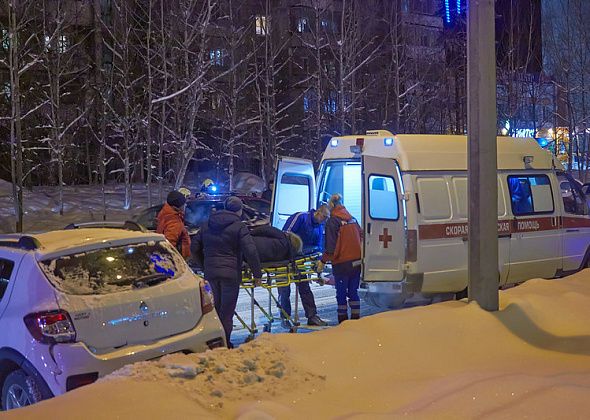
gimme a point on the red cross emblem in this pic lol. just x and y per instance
(386, 238)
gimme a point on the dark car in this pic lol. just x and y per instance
(256, 212)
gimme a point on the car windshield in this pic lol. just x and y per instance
(111, 270)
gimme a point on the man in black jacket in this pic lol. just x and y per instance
(220, 247)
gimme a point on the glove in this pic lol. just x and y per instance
(320, 280)
(320, 267)
(257, 282)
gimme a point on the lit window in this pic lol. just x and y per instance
(261, 25)
(4, 39)
(6, 90)
(217, 57)
(62, 44)
(302, 25)
(331, 104)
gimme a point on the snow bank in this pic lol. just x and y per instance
(448, 360)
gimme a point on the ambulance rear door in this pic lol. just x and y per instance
(294, 189)
(383, 221)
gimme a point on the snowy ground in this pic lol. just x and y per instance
(531, 359)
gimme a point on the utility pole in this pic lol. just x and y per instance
(483, 158)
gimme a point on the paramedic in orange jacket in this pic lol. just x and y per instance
(343, 249)
(171, 223)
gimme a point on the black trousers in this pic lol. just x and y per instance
(306, 295)
(225, 293)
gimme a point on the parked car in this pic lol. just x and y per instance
(77, 304)
(256, 212)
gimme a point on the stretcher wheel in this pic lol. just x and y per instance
(267, 328)
(249, 338)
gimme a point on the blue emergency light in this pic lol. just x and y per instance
(388, 141)
(213, 188)
(334, 142)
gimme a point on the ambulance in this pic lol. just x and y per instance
(409, 194)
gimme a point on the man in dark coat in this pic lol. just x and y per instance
(308, 226)
(220, 247)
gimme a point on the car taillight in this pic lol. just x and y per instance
(412, 246)
(207, 302)
(51, 327)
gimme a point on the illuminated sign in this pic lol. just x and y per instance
(524, 132)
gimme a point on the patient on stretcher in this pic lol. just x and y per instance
(275, 246)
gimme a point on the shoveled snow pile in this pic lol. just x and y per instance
(214, 377)
(448, 360)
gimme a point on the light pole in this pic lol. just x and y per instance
(482, 147)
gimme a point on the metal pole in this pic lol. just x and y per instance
(483, 163)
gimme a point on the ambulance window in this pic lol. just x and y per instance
(293, 185)
(461, 209)
(434, 196)
(383, 202)
(530, 194)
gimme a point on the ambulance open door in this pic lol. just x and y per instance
(294, 189)
(383, 221)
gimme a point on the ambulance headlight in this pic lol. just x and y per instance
(334, 142)
(388, 141)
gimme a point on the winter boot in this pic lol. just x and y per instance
(316, 321)
(342, 318)
(355, 315)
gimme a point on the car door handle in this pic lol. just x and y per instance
(368, 228)
(572, 230)
(506, 235)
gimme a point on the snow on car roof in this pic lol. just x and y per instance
(59, 240)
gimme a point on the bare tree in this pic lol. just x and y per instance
(23, 56)
(62, 74)
(568, 59)
(230, 100)
(190, 63)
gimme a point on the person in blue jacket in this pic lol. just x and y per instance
(309, 227)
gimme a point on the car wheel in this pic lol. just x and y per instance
(19, 390)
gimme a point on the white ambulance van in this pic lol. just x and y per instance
(409, 194)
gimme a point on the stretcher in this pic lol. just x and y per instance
(275, 275)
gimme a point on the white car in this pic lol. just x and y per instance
(78, 304)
